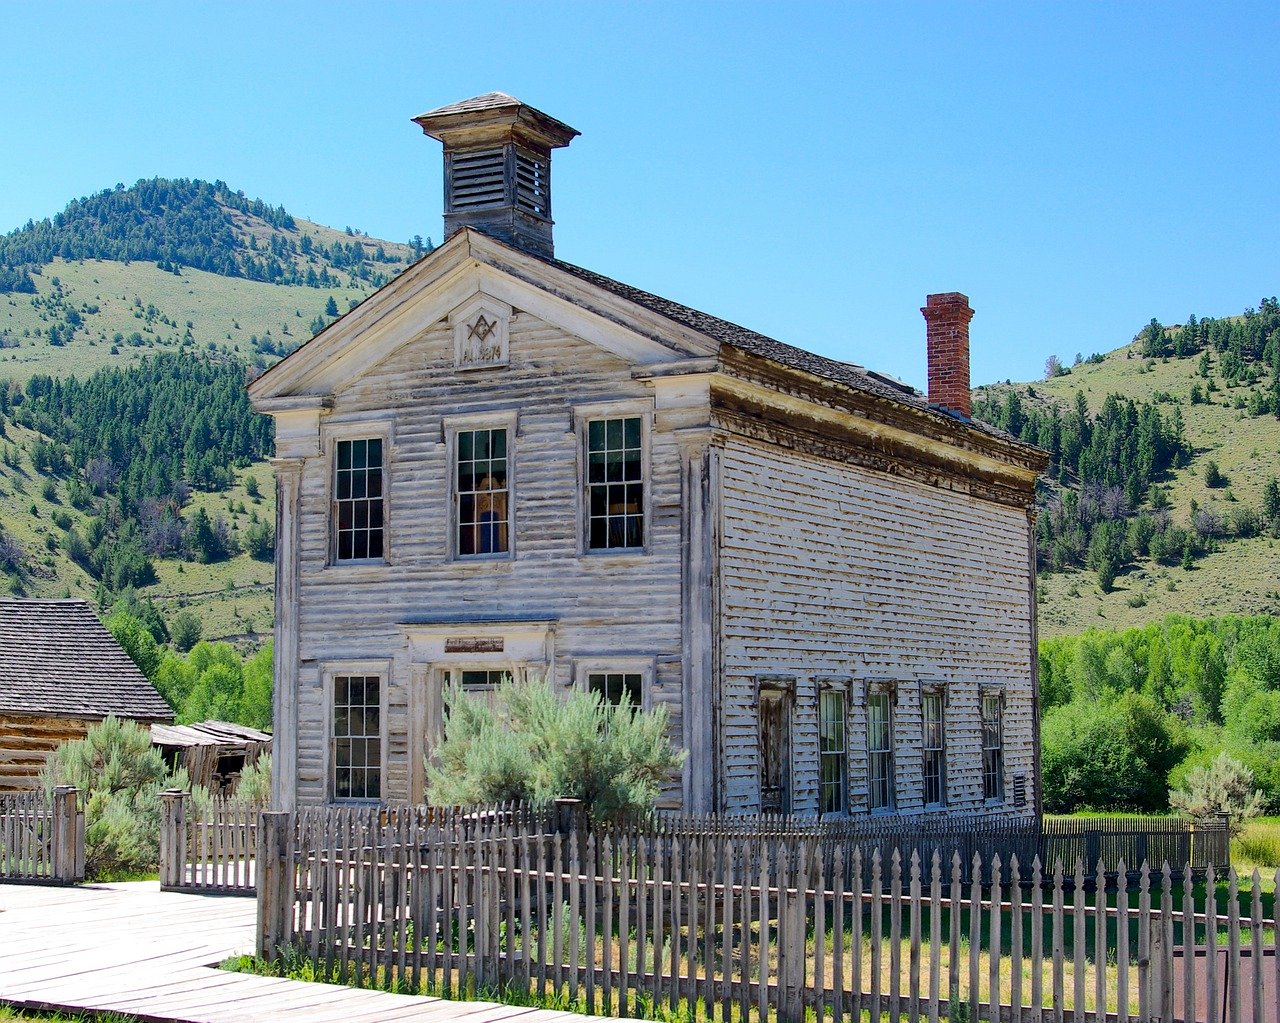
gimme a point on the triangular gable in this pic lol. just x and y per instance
(471, 265)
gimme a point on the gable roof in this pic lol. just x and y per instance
(470, 244)
(58, 660)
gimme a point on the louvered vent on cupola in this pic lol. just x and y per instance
(497, 170)
(479, 179)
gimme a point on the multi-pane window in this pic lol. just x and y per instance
(357, 737)
(615, 484)
(879, 752)
(481, 679)
(481, 492)
(935, 763)
(620, 688)
(831, 752)
(358, 503)
(992, 746)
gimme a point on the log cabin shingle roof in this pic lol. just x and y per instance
(58, 660)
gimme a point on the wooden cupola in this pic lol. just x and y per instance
(497, 168)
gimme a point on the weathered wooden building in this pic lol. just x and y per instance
(504, 463)
(60, 672)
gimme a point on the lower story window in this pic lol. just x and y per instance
(879, 752)
(831, 752)
(935, 769)
(617, 687)
(992, 746)
(357, 737)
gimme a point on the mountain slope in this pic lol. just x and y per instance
(113, 285)
(1217, 380)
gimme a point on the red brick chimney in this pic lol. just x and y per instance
(948, 317)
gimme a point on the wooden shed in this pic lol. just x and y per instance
(60, 672)
(213, 752)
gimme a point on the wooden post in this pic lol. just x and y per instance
(173, 834)
(568, 815)
(275, 884)
(66, 857)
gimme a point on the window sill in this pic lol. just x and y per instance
(617, 555)
(491, 561)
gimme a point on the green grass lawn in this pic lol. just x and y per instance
(9, 1012)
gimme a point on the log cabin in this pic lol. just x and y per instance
(60, 672)
(505, 464)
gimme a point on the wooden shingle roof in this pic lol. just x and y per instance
(58, 660)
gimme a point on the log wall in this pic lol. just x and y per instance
(25, 745)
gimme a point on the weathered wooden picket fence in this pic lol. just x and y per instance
(736, 926)
(212, 851)
(41, 837)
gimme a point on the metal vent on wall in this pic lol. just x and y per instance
(531, 184)
(478, 179)
(1019, 790)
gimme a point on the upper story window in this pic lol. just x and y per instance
(358, 500)
(831, 751)
(879, 751)
(615, 484)
(992, 746)
(356, 753)
(482, 497)
(935, 764)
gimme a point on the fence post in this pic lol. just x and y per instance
(568, 815)
(173, 835)
(275, 883)
(66, 858)
(1224, 819)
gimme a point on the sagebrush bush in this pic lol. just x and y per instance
(120, 776)
(1225, 787)
(532, 745)
(254, 785)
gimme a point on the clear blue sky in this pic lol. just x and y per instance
(808, 170)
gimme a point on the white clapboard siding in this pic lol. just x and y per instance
(833, 570)
(604, 606)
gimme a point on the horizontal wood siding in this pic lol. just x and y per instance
(25, 745)
(627, 604)
(835, 571)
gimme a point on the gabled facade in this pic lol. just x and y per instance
(502, 463)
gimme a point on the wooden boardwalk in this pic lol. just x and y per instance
(130, 948)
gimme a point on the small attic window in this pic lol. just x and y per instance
(533, 184)
(478, 179)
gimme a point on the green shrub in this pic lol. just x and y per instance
(255, 782)
(531, 745)
(185, 630)
(120, 776)
(1109, 753)
(1224, 787)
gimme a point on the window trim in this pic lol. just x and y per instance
(331, 671)
(453, 425)
(583, 416)
(839, 686)
(374, 429)
(645, 667)
(889, 690)
(996, 692)
(942, 693)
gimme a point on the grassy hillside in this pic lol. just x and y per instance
(1234, 575)
(73, 313)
